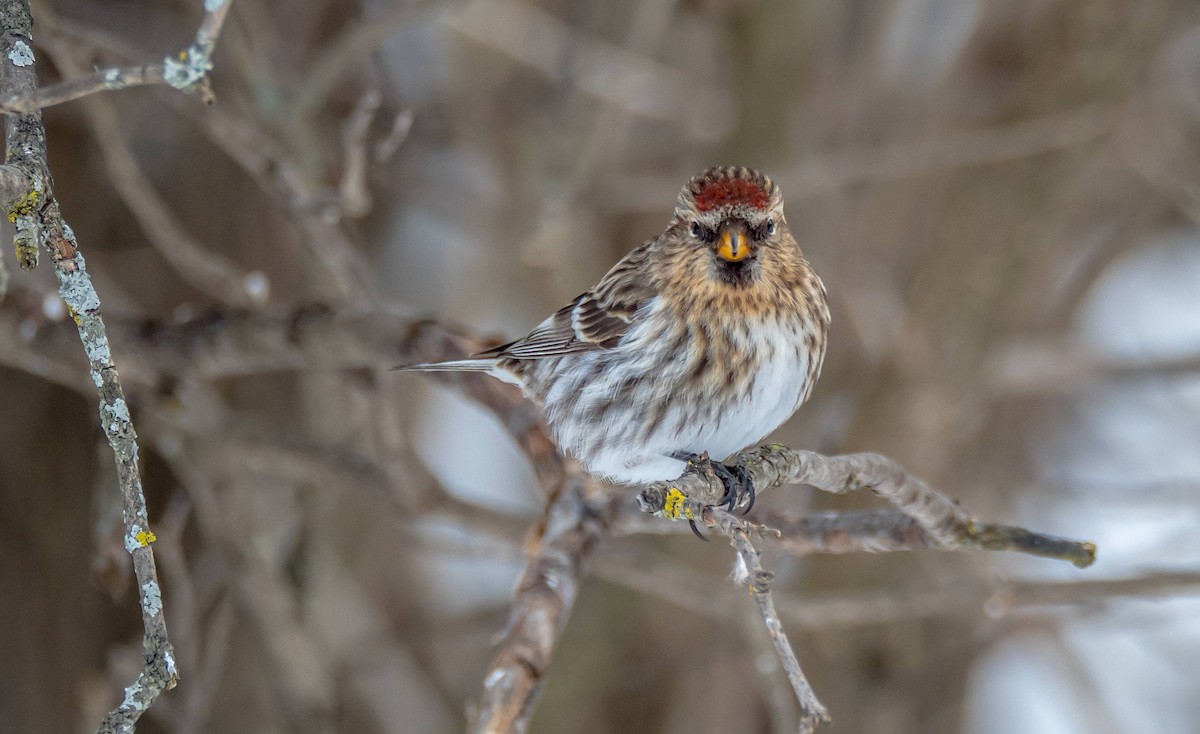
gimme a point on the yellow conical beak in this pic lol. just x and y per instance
(734, 245)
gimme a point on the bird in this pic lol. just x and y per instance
(698, 343)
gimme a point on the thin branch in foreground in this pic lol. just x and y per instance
(943, 523)
(39, 222)
(188, 71)
(759, 581)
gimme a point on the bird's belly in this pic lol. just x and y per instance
(742, 418)
(626, 421)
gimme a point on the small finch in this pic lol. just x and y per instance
(698, 343)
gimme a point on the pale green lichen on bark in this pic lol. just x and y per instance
(76, 288)
(21, 54)
(25, 241)
(153, 597)
(23, 214)
(188, 69)
(118, 427)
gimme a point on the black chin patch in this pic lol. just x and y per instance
(738, 274)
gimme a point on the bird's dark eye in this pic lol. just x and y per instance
(696, 230)
(769, 227)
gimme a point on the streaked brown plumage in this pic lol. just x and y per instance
(702, 340)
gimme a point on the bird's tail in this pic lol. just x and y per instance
(458, 365)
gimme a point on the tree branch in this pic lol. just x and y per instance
(942, 522)
(39, 223)
(188, 71)
(925, 519)
(545, 594)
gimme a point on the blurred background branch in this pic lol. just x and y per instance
(1000, 197)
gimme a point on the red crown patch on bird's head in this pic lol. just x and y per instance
(728, 187)
(731, 192)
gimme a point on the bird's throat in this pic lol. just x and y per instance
(740, 274)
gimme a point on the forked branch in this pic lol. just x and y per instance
(926, 519)
(186, 71)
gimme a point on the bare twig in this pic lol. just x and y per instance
(354, 198)
(204, 269)
(891, 530)
(39, 222)
(925, 519)
(613, 75)
(750, 572)
(81, 86)
(305, 684)
(350, 47)
(390, 143)
(948, 598)
(832, 170)
(945, 523)
(187, 71)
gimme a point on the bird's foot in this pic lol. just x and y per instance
(734, 477)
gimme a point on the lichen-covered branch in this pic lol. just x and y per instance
(39, 224)
(942, 522)
(187, 71)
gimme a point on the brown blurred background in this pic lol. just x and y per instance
(1002, 198)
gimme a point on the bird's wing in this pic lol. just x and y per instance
(595, 320)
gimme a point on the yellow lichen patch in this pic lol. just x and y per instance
(145, 538)
(27, 255)
(674, 504)
(24, 205)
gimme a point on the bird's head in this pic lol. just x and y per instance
(729, 229)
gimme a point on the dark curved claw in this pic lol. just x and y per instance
(737, 481)
(696, 530)
(730, 498)
(747, 482)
